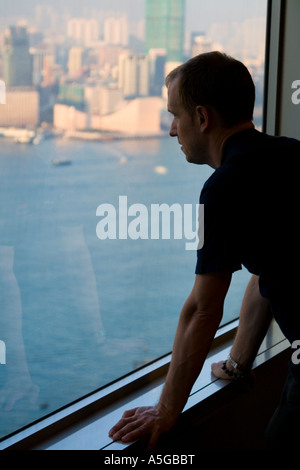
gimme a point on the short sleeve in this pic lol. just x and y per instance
(220, 250)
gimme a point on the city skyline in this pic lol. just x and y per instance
(99, 70)
(199, 15)
(240, 34)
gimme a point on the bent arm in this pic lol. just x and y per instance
(255, 318)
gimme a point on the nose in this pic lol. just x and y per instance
(173, 129)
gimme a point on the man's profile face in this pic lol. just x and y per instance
(184, 126)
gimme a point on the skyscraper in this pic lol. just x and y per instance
(17, 60)
(134, 74)
(165, 21)
(75, 62)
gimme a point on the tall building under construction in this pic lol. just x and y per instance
(165, 20)
(17, 60)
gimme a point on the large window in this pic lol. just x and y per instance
(97, 203)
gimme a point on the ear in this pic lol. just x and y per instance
(203, 117)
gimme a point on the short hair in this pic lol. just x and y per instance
(217, 80)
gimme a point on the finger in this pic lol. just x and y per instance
(120, 424)
(122, 427)
(136, 411)
(124, 430)
(116, 427)
(126, 415)
(218, 371)
(129, 413)
(217, 366)
(134, 431)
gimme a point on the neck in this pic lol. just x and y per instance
(218, 139)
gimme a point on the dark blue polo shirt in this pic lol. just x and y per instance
(251, 219)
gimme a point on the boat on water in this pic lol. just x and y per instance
(38, 139)
(23, 139)
(59, 162)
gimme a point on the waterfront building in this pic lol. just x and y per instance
(143, 114)
(21, 109)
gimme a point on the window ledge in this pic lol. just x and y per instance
(85, 424)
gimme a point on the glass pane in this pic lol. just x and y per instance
(90, 290)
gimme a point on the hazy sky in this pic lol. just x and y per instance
(199, 13)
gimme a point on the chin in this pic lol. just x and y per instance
(194, 162)
(189, 159)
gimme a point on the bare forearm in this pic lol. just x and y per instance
(255, 318)
(198, 322)
(193, 340)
